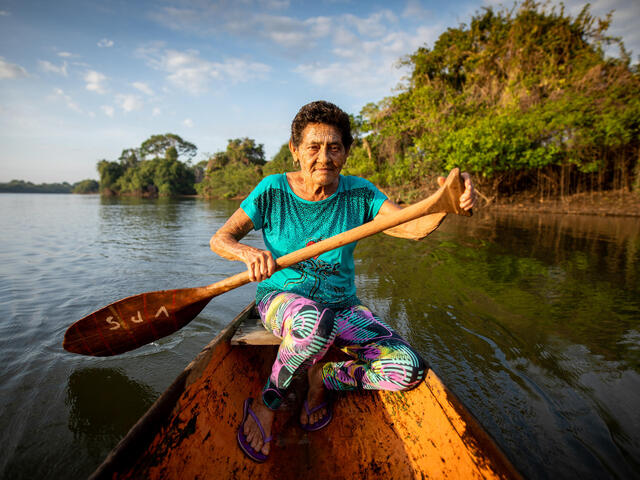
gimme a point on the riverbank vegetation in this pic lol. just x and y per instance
(233, 172)
(525, 99)
(153, 168)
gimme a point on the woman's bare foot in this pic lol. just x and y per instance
(316, 395)
(251, 430)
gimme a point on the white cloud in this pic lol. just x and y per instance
(51, 68)
(60, 94)
(129, 103)
(246, 18)
(95, 82)
(11, 70)
(373, 25)
(346, 51)
(366, 67)
(287, 32)
(414, 10)
(105, 43)
(188, 71)
(156, 111)
(108, 110)
(65, 54)
(143, 87)
(188, 123)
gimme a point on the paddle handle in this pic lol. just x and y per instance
(444, 200)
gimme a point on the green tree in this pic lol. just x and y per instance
(160, 176)
(281, 162)
(157, 146)
(129, 157)
(109, 173)
(234, 172)
(245, 151)
(230, 182)
(86, 186)
(163, 174)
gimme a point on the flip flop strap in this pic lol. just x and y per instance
(314, 409)
(265, 439)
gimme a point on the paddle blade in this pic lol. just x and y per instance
(134, 321)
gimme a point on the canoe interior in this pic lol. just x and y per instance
(190, 432)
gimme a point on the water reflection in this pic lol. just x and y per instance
(103, 405)
(534, 321)
(572, 280)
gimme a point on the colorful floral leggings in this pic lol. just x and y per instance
(382, 359)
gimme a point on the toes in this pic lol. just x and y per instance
(256, 444)
(315, 418)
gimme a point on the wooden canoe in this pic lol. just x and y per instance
(190, 431)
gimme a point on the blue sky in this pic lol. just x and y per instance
(82, 80)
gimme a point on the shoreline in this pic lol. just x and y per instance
(608, 204)
(613, 203)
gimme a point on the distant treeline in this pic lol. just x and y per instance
(20, 186)
(522, 98)
(155, 169)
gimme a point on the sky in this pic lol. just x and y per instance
(82, 80)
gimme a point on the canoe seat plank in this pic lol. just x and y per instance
(253, 333)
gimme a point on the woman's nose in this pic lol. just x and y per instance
(322, 156)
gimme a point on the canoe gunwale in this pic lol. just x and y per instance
(475, 435)
(488, 455)
(143, 431)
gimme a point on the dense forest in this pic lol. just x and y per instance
(525, 99)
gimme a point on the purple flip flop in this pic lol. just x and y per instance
(242, 439)
(323, 422)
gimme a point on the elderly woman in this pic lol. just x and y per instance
(313, 305)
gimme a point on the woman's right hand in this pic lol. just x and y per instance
(260, 263)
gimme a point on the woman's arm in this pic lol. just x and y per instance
(226, 243)
(423, 226)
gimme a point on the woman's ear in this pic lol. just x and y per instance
(294, 152)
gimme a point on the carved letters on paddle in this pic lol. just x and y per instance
(116, 325)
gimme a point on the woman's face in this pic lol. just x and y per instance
(321, 153)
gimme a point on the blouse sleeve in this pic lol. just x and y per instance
(251, 205)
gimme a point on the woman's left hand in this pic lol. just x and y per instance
(468, 197)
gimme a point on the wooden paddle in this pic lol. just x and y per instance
(138, 320)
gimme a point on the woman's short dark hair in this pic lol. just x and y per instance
(321, 112)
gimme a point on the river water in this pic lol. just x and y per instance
(532, 320)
